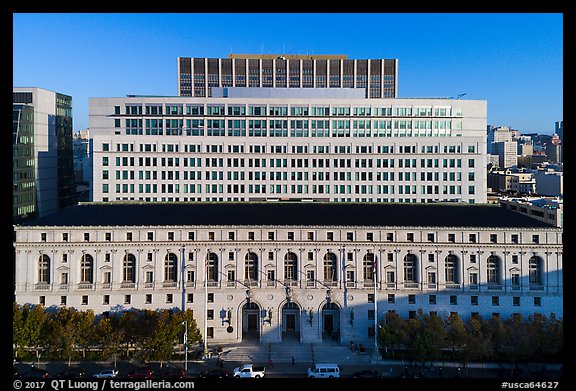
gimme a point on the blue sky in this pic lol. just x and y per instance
(512, 60)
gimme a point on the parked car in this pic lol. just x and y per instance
(73, 372)
(35, 373)
(217, 372)
(320, 371)
(249, 371)
(141, 373)
(173, 373)
(106, 373)
(366, 374)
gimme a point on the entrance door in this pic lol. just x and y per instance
(252, 323)
(328, 324)
(290, 322)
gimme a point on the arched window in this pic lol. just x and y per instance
(451, 269)
(44, 269)
(368, 266)
(171, 267)
(212, 267)
(251, 267)
(535, 270)
(290, 266)
(129, 268)
(493, 269)
(87, 269)
(330, 267)
(410, 265)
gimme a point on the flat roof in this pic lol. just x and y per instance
(287, 214)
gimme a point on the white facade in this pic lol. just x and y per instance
(244, 149)
(250, 275)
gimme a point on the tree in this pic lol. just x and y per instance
(110, 336)
(392, 332)
(456, 337)
(31, 321)
(476, 346)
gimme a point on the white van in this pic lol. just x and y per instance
(324, 371)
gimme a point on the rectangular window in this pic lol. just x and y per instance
(251, 235)
(411, 299)
(431, 237)
(535, 239)
(370, 297)
(390, 237)
(472, 238)
(410, 237)
(211, 236)
(537, 301)
(148, 298)
(451, 238)
(369, 236)
(453, 300)
(85, 300)
(495, 300)
(270, 235)
(370, 314)
(493, 238)
(473, 300)
(190, 298)
(391, 298)
(516, 301)
(210, 298)
(127, 299)
(210, 332)
(290, 235)
(514, 238)
(330, 236)
(210, 314)
(432, 299)
(350, 236)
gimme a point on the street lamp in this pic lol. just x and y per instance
(185, 323)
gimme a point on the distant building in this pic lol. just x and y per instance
(495, 135)
(559, 129)
(83, 163)
(554, 152)
(548, 210)
(507, 153)
(549, 183)
(42, 136)
(512, 181)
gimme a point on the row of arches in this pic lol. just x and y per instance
(290, 318)
(452, 265)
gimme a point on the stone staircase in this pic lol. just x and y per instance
(328, 351)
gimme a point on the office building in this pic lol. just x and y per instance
(291, 270)
(42, 152)
(378, 78)
(506, 152)
(274, 144)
